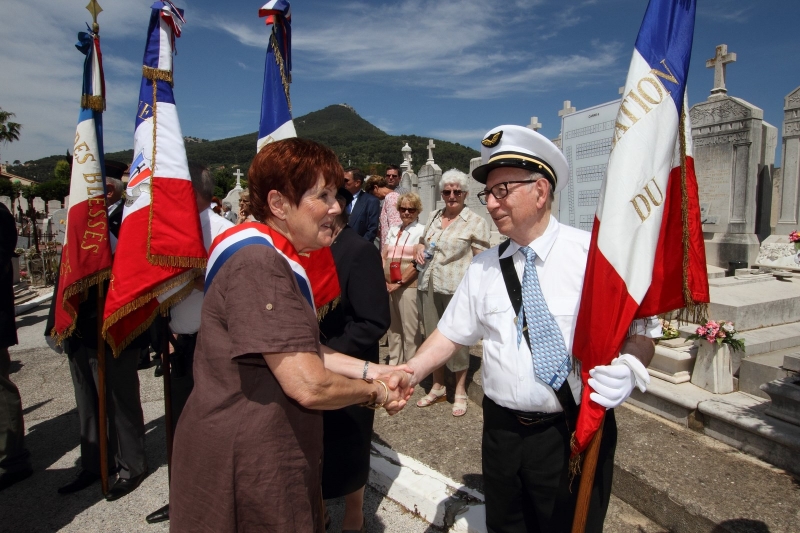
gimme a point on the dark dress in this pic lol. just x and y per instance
(8, 240)
(247, 457)
(354, 327)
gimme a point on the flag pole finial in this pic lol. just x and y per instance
(94, 8)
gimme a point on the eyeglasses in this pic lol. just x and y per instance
(407, 209)
(456, 192)
(500, 190)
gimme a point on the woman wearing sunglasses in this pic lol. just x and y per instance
(459, 235)
(401, 280)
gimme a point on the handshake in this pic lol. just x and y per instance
(399, 388)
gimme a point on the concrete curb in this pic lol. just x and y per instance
(428, 494)
(32, 304)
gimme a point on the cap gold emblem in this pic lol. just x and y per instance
(491, 140)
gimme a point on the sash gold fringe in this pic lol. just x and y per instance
(128, 308)
(694, 311)
(154, 74)
(575, 461)
(78, 288)
(273, 42)
(95, 103)
(327, 308)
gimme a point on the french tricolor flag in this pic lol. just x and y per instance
(276, 115)
(647, 254)
(160, 241)
(86, 254)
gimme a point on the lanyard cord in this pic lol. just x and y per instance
(394, 250)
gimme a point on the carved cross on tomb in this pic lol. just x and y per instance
(430, 148)
(718, 62)
(238, 175)
(568, 109)
(535, 125)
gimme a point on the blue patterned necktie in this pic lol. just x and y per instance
(551, 361)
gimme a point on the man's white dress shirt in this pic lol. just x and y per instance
(185, 315)
(481, 309)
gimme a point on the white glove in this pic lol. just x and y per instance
(613, 384)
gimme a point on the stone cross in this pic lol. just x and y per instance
(406, 150)
(238, 175)
(567, 109)
(718, 62)
(430, 148)
(535, 125)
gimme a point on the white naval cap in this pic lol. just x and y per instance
(520, 147)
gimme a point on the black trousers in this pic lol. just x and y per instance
(526, 474)
(181, 374)
(123, 407)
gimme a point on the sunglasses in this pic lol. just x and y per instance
(456, 192)
(392, 176)
(407, 209)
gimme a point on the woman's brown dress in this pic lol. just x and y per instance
(246, 457)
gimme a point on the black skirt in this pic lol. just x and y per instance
(347, 434)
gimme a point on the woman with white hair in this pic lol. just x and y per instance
(459, 235)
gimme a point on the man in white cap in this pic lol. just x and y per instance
(522, 299)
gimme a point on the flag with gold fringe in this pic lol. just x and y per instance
(646, 255)
(160, 245)
(86, 253)
(276, 124)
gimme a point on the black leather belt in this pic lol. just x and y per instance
(531, 419)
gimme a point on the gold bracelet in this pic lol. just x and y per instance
(370, 404)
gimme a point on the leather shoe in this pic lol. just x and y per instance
(9, 478)
(160, 515)
(124, 486)
(82, 480)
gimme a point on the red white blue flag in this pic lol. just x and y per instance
(276, 115)
(160, 239)
(86, 254)
(647, 254)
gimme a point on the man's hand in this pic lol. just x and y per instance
(613, 384)
(400, 390)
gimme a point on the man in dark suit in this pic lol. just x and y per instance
(365, 209)
(115, 203)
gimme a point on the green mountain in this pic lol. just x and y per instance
(355, 141)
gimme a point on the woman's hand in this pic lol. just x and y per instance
(400, 390)
(419, 254)
(391, 287)
(376, 370)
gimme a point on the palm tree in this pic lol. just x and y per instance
(9, 131)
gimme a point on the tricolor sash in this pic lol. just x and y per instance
(254, 233)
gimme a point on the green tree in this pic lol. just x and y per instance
(9, 131)
(62, 171)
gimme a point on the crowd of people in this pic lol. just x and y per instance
(273, 404)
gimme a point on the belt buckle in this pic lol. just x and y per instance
(527, 421)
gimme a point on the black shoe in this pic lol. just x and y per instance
(124, 486)
(9, 478)
(82, 480)
(158, 516)
(158, 371)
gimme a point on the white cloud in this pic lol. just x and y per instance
(41, 68)
(460, 48)
(468, 136)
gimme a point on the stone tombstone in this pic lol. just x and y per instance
(731, 148)
(428, 179)
(53, 205)
(66, 202)
(23, 204)
(38, 205)
(59, 224)
(233, 198)
(476, 206)
(6, 201)
(408, 179)
(789, 217)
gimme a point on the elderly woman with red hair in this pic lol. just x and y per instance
(248, 446)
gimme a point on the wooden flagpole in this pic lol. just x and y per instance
(587, 480)
(165, 368)
(101, 391)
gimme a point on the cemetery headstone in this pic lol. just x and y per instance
(790, 166)
(22, 203)
(535, 125)
(6, 201)
(730, 150)
(238, 175)
(59, 224)
(428, 179)
(409, 180)
(53, 205)
(38, 205)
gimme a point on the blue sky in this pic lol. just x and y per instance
(444, 68)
